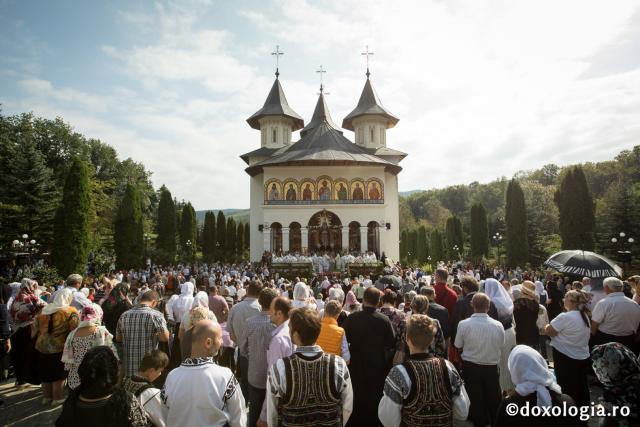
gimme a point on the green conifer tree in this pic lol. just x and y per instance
(479, 232)
(412, 247)
(230, 240)
(240, 240)
(188, 232)
(422, 250)
(72, 221)
(436, 246)
(577, 211)
(516, 219)
(454, 237)
(247, 236)
(209, 236)
(221, 237)
(128, 233)
(404, 237)
(166, 228)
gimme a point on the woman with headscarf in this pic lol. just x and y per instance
(200, 300)
(301, 296)
(6, 292)
(23, 311)
(619, 372)
(179, 308)
(351, 303)
(89, 333)
(398, 321)
(504, 305)
(525, 313)
(337, 294)
(570, 332)
(534, 386)
(52, 327)
(98, 400)
(114, 305)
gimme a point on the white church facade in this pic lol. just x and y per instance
(323, 193)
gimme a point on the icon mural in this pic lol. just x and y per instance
(324, 192)
(328, 190)
(358, 192)
(291, 192)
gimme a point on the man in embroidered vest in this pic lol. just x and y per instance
(200, 393)
(309, 388)
(332, 338)
(424, 390)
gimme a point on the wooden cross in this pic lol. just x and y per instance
(367, 54)
(277, 54)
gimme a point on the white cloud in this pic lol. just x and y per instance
(483, 89)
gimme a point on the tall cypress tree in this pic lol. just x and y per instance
(128, 233)
(209, 236)
(479, 232)
(577, 211)
(454, 237)
(247, 236)
(230, 240)
(72, 221)
(166, 228)
(516, 218)
(412, 247)
(421, 245)
(436, 246)
(221, 236)
(240, 240)
(404, 236)
(188, 231)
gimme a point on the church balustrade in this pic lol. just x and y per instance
(323, 202)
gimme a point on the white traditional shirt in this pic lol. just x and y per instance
(200, 393)
(481, 339)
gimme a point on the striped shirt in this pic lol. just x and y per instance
(254, 343)
(138, 329)
(481, 339)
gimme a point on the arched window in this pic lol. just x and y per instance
(373, 237)
(371, 129)
(295, 237)
(274, 136)
(354, 236)
(276, 237)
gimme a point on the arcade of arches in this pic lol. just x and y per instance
(325, 232)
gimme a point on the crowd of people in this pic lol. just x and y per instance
(220, 344)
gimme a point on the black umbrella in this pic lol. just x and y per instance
(584, 264)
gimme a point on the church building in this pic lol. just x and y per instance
(323, 193)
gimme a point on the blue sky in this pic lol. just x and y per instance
(482, 88)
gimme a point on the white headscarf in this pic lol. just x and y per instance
(200, 300)
(62, 300)
(300, 292)
(169, 306)
(499, 296)
(540, 288)
(336, 294)
(15, 288)
(184, 301)
(530, 373)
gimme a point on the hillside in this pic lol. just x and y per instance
(239, 215)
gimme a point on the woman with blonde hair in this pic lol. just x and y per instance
(570, 332)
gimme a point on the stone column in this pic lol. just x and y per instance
(285, 239)
(363, 239)
(266, 234)
(345, 238)
(381, 232)
(304, 238)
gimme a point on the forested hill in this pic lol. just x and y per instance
(614, 186)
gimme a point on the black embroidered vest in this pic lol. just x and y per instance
(429, 402)
(311, 398)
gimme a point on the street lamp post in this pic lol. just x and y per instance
(625, 244)
(497, 239)
(147, 238)
(456, 249)
(26, 245)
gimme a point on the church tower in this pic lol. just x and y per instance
(369, 120)
(276, 121)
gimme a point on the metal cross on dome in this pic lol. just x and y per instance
(367, 54)
(277, 54)
(321, 71)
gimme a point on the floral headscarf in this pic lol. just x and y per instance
(116, 296)
(619, 372)
(90, 315)
(25, 305)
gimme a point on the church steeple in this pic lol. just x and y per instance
(320, 114)
(369, 120)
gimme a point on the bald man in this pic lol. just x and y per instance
(201, 393)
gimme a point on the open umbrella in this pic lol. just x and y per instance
(584, 264)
